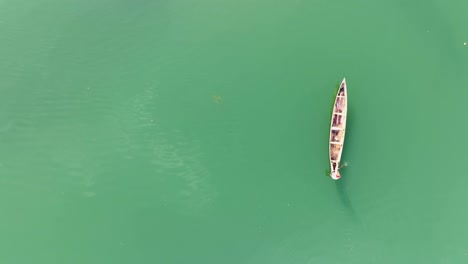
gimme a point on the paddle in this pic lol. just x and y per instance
(344, 165)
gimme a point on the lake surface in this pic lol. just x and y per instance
(197, 131)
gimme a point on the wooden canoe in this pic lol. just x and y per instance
(338, 129)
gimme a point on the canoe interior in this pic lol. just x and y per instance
(338, 125)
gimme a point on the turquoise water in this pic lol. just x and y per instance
(197, 131)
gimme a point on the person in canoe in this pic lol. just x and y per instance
(340, 105)
(339, 135)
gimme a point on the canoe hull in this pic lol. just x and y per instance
(338, 129)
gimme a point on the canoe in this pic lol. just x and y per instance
(338, 129)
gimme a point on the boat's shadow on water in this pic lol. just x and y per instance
(344, 198)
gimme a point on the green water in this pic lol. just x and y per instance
(196, 131)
